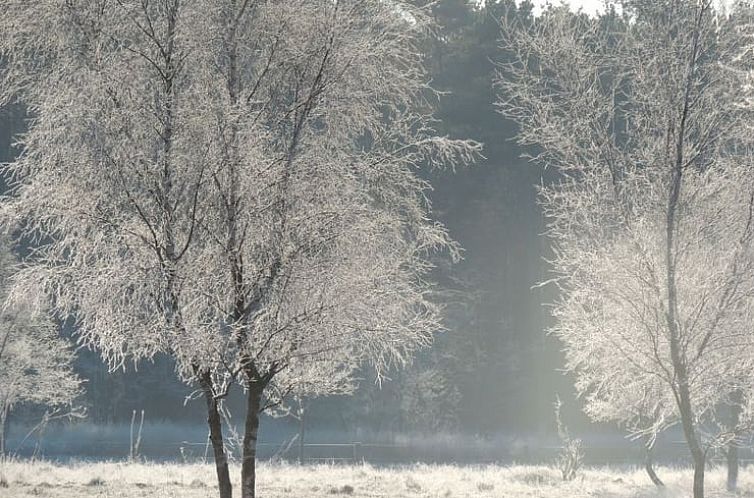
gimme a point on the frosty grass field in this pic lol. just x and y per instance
(20, 479)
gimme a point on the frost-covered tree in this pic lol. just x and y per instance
(35, 362)
(316, 150)
(651, 218)
(230, 182)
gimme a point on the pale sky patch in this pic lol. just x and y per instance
(589, 6)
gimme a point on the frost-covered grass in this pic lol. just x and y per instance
(19, 479)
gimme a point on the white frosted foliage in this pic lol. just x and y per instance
(231, 183)
(644, 116)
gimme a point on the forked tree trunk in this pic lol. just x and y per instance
(216, 436)
(732, 455)
(251, 430)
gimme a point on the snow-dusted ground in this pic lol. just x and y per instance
(19, 479)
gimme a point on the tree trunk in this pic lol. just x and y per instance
(218, 446)
(732, 458)
(3, 430)
(650, 468)
(301, 434)
(732, 455)
(698, 455)
(681, 388)
(251, 429)
(699, 477)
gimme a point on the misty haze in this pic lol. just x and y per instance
(394, 248)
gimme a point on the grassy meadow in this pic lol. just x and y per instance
(22, 479)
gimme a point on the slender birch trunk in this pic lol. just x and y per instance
(251, 431)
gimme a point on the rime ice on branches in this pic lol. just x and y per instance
(231, 182)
